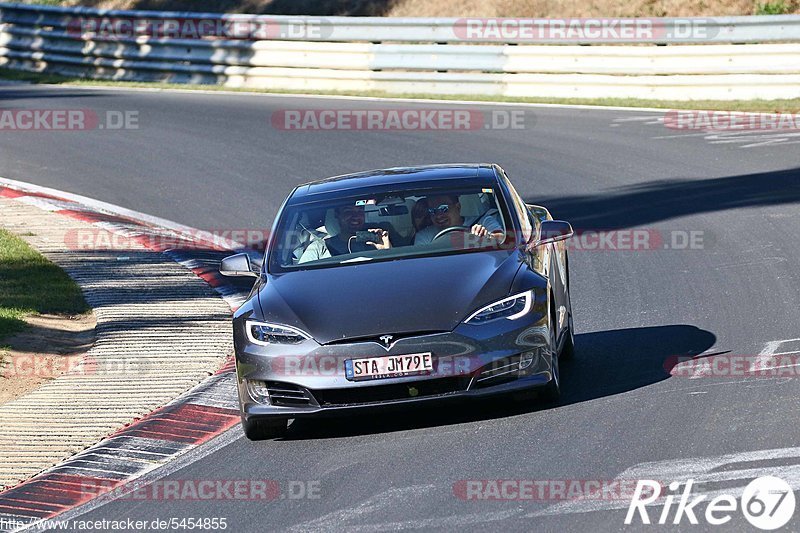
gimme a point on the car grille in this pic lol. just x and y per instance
(500, 371)
(287, 395)
(387, 393)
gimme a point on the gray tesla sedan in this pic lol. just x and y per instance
(399, 286)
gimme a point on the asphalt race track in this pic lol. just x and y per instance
(215, 161)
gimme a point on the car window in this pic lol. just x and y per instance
(522, 211)
(374, 225)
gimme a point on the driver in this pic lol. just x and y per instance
(351, 219)
(445, 211)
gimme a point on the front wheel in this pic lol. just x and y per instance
(552, 391)
(568, 350)
(264, 429)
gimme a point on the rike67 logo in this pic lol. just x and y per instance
(767, 503)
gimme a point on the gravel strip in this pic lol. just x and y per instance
(160, 331)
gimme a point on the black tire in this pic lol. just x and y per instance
(264, 429)
(552, 391)
(568, 350)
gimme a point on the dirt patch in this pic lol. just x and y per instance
(50, 346)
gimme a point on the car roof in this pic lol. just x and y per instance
(477, 173)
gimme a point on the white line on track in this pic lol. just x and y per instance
(733, 469)
(770, 351)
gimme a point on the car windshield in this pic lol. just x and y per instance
(388, 224)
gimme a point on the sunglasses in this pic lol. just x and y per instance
(444, 208)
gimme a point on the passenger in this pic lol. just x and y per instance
(351, 219)
(445, 212)
(420, 216)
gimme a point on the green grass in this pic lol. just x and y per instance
(778, 7)
(768, 106)
(30, 284)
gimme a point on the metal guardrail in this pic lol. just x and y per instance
(718, 59)
(436, 56)
(745, 29)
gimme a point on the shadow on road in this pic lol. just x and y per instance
(607, 363)
(647, 203)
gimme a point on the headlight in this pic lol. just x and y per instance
(510, 308)
(265, 334)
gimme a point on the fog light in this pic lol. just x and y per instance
(526, 360)
(258, 391)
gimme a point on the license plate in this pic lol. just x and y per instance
(388, 366)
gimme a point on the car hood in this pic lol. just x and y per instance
(412, 295)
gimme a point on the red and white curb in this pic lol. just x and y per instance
(151, 232)
(141, 448)
(150, 443)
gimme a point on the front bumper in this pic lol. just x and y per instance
(253, 410)
(470, 362)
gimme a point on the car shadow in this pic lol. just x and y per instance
(606, 363)
(655, 201)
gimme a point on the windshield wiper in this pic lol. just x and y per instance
(356, 260)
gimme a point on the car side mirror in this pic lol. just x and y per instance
(553, 231)
(237, 266)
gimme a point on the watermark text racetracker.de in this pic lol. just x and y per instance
(194, 490)
(639, 239)
(290, 366)
(408, 119)
(699, 120)
(48, 366)
(586, 29)
(590, 240)
(42, 366)
(544, 490)
(189, 239)
(606, 240)
(228, 27)
(13, 120)
(734, 366)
